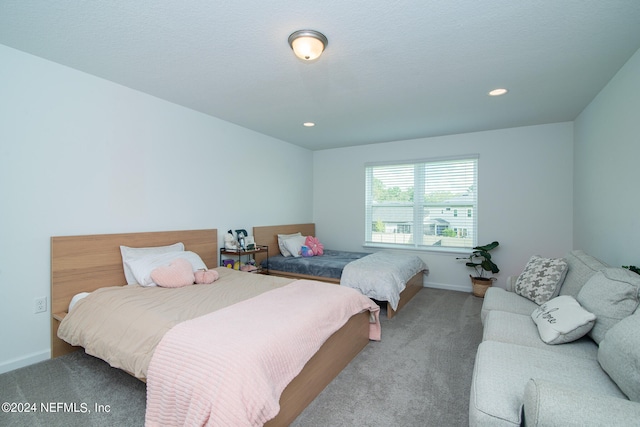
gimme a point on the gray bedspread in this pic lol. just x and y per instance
(328, 265)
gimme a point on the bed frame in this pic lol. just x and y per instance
(86, 263)
(268, 236)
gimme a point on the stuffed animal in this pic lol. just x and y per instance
(248, 268)
(177, 274)
(306, 251)
(230, 243)
(314, 244)
(206, 276)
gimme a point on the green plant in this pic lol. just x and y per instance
(448, 232)
(480, 259)
(632, 268)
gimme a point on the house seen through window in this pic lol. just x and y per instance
(430, 204)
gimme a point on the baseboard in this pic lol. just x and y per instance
(458, 288)
(25, 361)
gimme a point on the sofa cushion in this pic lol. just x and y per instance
(611, 294)
(619, 355)
(547, 403)
(499, 299)
(562, 320)
(581, 267)
(502, 371)
(541, 278)
(519, 329)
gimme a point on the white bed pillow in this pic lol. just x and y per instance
(132, 254)
(76, 298)
(281, 239)
(294, 245)
(562, 320)
(142, 267)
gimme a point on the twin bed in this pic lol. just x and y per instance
(180, 373)
(384, 276)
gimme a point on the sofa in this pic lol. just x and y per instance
(560, 347)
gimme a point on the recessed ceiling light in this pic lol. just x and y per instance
(498, 92)
(308, 124)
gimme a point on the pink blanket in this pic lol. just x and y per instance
(229, 368)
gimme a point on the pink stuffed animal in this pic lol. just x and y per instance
(205, 277)
(177, 274)
(314, 245)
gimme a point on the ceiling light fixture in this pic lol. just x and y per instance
(498, 92)
(308, 124)
(308, 44)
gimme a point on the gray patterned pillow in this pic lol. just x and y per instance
(541, 279)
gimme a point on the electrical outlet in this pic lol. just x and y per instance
(41, 305)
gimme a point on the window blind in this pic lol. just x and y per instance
(429, 204)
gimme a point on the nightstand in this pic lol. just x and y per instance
(240, 254)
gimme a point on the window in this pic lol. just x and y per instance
(416, 204)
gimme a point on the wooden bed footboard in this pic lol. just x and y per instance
(334, 355)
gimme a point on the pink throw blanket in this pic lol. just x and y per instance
(229, 368)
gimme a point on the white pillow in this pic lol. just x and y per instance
(619, 356)
(131, 254)
(76, 298)
(294, 245)
(142, 267)
(562, 320)
(611, 294)
(281, 239)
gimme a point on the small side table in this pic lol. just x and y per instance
(239, 254)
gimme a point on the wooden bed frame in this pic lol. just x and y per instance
(268, 236)
(86, 263)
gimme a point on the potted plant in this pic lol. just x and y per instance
(480, 260)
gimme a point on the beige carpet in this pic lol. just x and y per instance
(418, 375)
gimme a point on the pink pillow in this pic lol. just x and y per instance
(177, 274)
(205, 277)
(314, 244)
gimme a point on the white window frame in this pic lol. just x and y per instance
(419, 206)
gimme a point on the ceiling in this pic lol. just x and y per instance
(392, 70)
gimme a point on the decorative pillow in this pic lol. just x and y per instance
(177, 274)
(314, 244)
(294, 245)
(562, 320)
(612, 295)
(281, 238)
(619, 356)
(541, 279)
(143, 267)
(306, 251)
(132, 254)
(206, 277)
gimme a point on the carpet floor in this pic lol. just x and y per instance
(418, 375)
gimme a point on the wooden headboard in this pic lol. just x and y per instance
(86, 263)
(268, 235)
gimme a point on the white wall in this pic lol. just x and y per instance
(525, 195)
(81, 155)
(607, 154)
